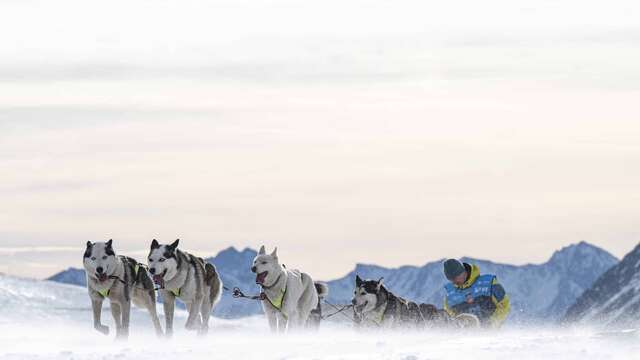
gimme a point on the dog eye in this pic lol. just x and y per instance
(93, 258)
(264, 263)
(161, 260)
(150, 260)
(104, 257)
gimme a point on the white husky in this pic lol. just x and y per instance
(290, 296)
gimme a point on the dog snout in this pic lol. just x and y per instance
(152, 271)
(254, 269)
(99, 269)
(353, 302)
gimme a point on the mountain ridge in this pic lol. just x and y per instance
(422, 283)
(613, 300)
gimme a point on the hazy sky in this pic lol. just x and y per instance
(388, 132)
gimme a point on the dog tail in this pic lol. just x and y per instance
(316, 314)
(322, 289)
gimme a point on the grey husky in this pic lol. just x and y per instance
(186, 277)
(120, 279)
(291, 299)
(375, 306)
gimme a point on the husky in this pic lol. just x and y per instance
(122, 280)
(375, 306)
(181, 275)
(290, 298)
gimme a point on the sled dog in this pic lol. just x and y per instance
(290, 298)
(181, 275)
(120, 279)
(375, 306)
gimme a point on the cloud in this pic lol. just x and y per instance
(34, 249)
(421, 131)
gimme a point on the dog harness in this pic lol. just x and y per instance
(279, 300)
(377, 319)
(105, 292)
(175, 292)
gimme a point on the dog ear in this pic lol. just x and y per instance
(274, 253)
(358, 281)
(87, 251)
(154, 244)
(174, 245)
(262, 250)
(108, 248)
(379, 284)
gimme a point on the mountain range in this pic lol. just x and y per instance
(614, 298)
(537, 292)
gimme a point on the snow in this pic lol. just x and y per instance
(46, 320)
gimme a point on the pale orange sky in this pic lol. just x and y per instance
(381, 132)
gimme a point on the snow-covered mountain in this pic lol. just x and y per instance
(614, 299)
(73, 276)
(537, 292)
(234, 268)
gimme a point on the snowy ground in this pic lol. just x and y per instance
(42, 320)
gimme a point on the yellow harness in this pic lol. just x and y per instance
(175, 292)
(377, 319)
(279, 300)
(105, 293)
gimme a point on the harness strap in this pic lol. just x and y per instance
(175, 292)
(105, 293)
(378, 319)
(279, 300)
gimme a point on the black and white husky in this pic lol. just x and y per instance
(121, 280)
(187, 277)
(375, 306)
(291, 298)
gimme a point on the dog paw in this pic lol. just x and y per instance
(102, 328)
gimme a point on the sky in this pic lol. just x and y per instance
(386, 132)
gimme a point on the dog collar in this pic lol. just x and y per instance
(274, 283)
